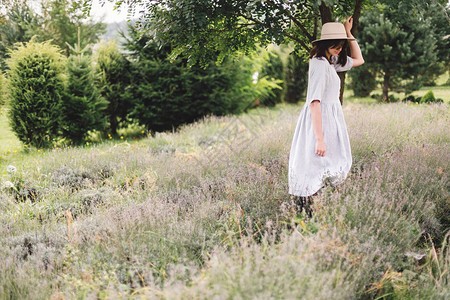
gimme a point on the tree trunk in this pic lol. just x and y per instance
(356, 15)
(315, 28)
(386, 87)
(341, 92)
(325, 13)
(113, 124)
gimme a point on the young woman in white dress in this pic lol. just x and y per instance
(320, 147)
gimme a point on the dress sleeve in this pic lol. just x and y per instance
(345, 67)
(317, 79)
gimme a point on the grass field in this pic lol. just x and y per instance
(440, 91)
(8, 141)
(10, 144)
(204, 213)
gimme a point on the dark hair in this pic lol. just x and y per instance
(319, 48)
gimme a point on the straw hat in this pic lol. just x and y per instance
(333, 31)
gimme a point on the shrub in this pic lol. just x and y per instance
(411, 98)
(392, 99)
(211, 219)
(2, 89)
(82, 106)
(428, 98)
(363, 81)
(22, 190)
(113, 69)
(36, 85)
(432, 73)
(168, 94)
(273, 69)
(379, 98)
(296, 78)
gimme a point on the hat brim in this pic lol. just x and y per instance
(326, 39)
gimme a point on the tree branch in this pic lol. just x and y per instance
(284, 33)
(296, 22)
(240, 26)
(297, 40)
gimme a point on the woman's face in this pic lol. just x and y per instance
(334, 51)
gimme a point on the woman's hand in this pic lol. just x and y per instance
(354, 47)
(320, 148)
(348, 24)
(316, 118)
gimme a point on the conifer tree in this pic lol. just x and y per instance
(167, 94)
(363, 80)
(2, 89)
(296, 78)
(62, 18)
(36, 85)
(82, 108)
(398, 42)
(19, 25)
(113, 70)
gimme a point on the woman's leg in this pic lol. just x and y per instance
(304, 204)
(309, 206)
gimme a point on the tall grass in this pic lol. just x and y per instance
(204, 213)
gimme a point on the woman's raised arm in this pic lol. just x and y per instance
(354, 47)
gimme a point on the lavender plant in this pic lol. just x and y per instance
(133, 220)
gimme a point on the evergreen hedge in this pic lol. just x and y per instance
(273, 70)
(82, 108)
(167, 94)
(113, 83)
(2, 89)
(430, 98)
(363, 81)
(36, 85)
(296, 78)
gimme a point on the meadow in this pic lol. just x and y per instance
(203, 213)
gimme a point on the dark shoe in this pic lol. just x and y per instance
(299, 204)
(308, 207)
(303, 204)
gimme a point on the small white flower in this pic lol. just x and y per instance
(11, 169)
(417, 256)
(8, 185)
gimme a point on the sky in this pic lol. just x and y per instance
(106, 13)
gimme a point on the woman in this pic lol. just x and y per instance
(320, 147)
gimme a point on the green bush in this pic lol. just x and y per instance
(362, 81)
(36, 86)
(273, 69)
(432, 73)
(412, 99)
(114, 71)
(167, 94)
(429, 98)
(2, 89)
(82, 106)
(392, 99)
(296, 78)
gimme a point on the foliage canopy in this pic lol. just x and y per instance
(205, 30)
(168, 94)
(399, 41)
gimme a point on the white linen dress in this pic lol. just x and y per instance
(307, 170)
